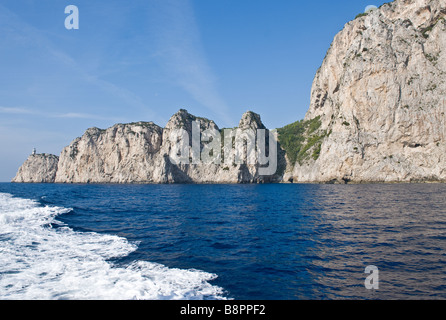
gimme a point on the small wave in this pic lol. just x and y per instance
(38, 261)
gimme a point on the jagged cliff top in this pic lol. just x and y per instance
(389, 36)
(183, 119)
(421, 13)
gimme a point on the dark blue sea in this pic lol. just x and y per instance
(255, 242)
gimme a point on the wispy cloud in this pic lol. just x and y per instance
(74, 115)
(181, 51)
(70, 115)
(15, 110)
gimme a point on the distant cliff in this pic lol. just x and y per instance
(144, 152)
(38, 168)
(377, 114)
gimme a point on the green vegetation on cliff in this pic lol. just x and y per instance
(302, 140)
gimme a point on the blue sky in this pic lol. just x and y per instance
(143, 60)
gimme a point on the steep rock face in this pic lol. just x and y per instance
(124, 153)
(380, 97)
(38, 168)
(251, 120)
(209, 169)
(183, 171)
(146, 153)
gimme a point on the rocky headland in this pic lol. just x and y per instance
(142, 152)
(377, 114)
(38, 168)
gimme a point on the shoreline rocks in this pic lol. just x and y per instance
(38, 168)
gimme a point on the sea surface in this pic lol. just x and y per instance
(255, 242)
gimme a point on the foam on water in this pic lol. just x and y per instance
(41, 261)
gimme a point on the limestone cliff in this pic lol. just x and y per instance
(379, 100)
(142, 153)
(217, 170)
(124, 153)
(38, 168)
